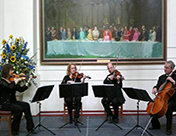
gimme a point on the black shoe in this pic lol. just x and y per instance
(153, 128)
(70, 121)
(115, 119)
(76, 122)
(109, 119)
(14, 133)
(168, 132)
(33, 132)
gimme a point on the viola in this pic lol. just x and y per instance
(160, 104)
(22, 76)
(79, 75)
(117, 73)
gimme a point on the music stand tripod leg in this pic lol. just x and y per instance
(147, 127)
(73, 120)
(107, 120)
(75, 125)
(116, 125)
(101, 124)
(39, 124)
(137, 125)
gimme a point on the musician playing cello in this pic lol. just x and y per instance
(168, 69)
(116, 102)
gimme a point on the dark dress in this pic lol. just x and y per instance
(9, 103)
(116, 101)
(70, 101)
(171, 104)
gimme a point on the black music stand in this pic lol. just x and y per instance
(77, 89)
(42, 93)
(137, 94)
(106, 91)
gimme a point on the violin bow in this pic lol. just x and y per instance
(117, 61)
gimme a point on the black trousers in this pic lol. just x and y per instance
(75, 101)
(17, 108)
(171, 108)
(115, 103)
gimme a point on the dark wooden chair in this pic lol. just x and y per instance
(120, 111)
(6, 116)
(66, 111)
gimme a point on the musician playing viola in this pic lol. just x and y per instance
(71, 77)
(8, 100)
(115, 79)
(168, 69)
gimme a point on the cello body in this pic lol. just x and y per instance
(159, 106)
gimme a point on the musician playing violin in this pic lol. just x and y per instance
(8, 100)
(72, 77)
(168, 69)
(116, 79)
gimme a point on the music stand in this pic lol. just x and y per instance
(107, 91)
(137, 94)
(42, 93)
(77, 89)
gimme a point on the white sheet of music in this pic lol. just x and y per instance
(104, 85)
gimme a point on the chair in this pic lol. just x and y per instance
(8, 115)
(66, 111)
(120, 111)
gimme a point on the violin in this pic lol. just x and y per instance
(79, 75)
(117, 73)
(22, 76)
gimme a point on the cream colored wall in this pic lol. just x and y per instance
(140, 76)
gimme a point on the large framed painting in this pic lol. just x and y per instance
(100, 31)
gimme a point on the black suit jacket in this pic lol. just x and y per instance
(121, 98)
(161, 80)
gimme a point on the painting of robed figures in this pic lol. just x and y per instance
(96, 31)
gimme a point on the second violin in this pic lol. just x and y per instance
(79, 75)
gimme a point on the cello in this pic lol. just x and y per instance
(159, 106)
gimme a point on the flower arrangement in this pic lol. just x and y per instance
(14, 52)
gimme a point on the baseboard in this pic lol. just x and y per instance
(93, 113)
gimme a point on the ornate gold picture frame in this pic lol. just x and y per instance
(148, 19)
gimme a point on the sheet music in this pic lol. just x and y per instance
(131, 87)
(104, 85)
(76, 83)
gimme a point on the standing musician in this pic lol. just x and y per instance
(72, 77)
(117, 101)
(168, 69)
(8, 100)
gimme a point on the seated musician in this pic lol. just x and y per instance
(8, 100)
(116, 101)
(71, 77)
(168, 69)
